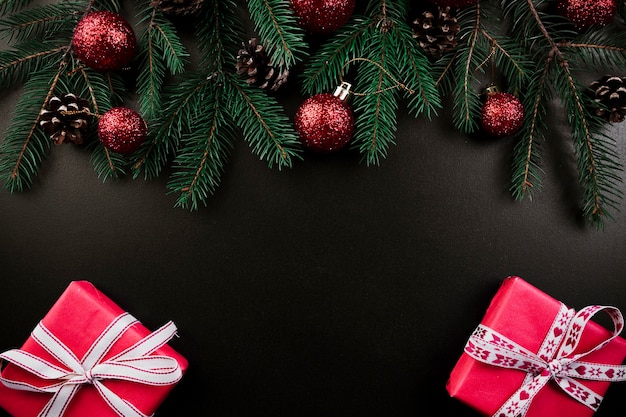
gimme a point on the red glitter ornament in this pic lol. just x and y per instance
(454, 3)
(122, 130)
(325, 122)
(585, 13)
(502, 114)
(322, 17)
(104, 41)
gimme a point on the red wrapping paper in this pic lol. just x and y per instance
(77, 318)
(524, 314)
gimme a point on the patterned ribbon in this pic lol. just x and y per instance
(554, 360)
(133, 364)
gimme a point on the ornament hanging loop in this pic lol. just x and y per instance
(398, 84)
(343, 90)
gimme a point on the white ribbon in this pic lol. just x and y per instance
(134, 364)
(554, 360)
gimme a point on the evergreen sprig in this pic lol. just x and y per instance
(196, 127)
(482, 51)
(161, 53)
(10, 6)
(205, 150)
(28, 57)
(388, 59)
(538, 55)
(276, 26)
(561, 55)
(38, 22)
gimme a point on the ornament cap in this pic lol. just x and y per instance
(343, 91)
(492, 89)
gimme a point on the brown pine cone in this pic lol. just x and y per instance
(65, 118)
(610, 93)
(254, 64)
(435, 30)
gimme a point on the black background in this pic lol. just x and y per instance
(329, 289)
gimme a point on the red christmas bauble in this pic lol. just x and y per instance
(324, 123)
(502, 114)
(104, 41)
(586, 13)
(454, 3)
(322, 17)
(122, 130)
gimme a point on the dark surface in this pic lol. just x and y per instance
(332, 289)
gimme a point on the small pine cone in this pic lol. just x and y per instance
(254, 63)
(435, 30)
(177, 7)
(65, 118)
(610, 93)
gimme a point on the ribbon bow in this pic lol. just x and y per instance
(554, 360)
(133, 364)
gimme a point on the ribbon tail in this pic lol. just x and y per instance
(580, 392)
(518, 404)
(122, 407)
(60, 401)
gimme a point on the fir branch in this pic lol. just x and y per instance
(602, 49)
(376, 107)
(443, 72)
(40, 22)
(185, 101)
(26, 58)
(414, 68)
(384, 41)
(102, 90)
(151, 74)
(468, 59)
(325, 68)
(25, 146)
(112, 5)
(160, 48)
(510, 58)
(107, 164)
(388, 11)
(205, 151)
(219, 33)
(264, 125)
(10, 6)
(597, 161)
(526, 167)
(277, 27)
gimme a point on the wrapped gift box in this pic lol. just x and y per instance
(525, 315)
(78, 318)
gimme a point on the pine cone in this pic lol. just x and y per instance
(177, 7)
(435, 30)
(610, 93)
(254, 63)
(66, 117)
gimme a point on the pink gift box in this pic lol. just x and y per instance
(78, 318)
(524, 314)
